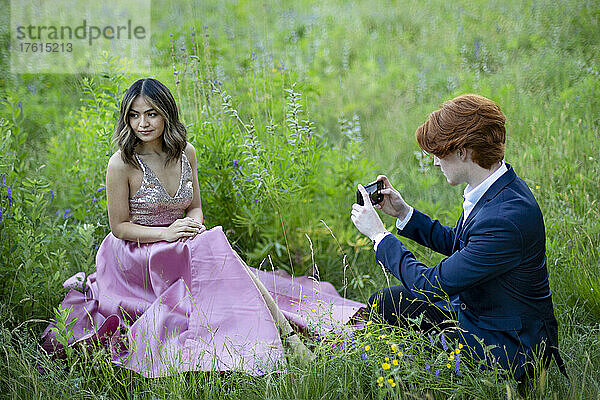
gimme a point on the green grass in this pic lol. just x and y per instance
(368, 74)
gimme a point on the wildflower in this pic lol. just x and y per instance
(0, 215)
(400, 354)
(443, 340)
(3, 180)
(394, 362)
(364, 357)
(394, 347)
(236, 166)
(67, 213)
(457, 366)
(101, 188)
(10, 196)
(448, 366)
(368, 334)
(460, 346)
(367, 348)
(451, 356)
(369, 323)
(537, 187)
(382, 337)
(431, 340)
(428, 368)
(51, 195)
(457, 350)
(386, 359)
(437, 375)
(20, 105)
(476, 47)
(391, 382)
(386, 366)
(313, 310)
(380, 381)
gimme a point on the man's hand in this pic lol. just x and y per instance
(393, 204)
(365, 218)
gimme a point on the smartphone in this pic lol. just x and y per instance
(374, 189)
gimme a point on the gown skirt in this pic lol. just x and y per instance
(169, 307)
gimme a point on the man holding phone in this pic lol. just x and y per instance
(494, 281)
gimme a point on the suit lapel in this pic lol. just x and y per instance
(492, 192)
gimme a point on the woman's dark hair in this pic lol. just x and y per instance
(160, 98)
(468, 121)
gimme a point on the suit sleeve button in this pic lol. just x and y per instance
(463, 306)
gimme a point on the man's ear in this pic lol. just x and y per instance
(464, 154)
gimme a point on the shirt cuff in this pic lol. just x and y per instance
(401, 224)
(378, 238)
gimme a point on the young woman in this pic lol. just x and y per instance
(182, 295)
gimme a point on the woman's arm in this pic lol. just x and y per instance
(117, 203)
(195, 208)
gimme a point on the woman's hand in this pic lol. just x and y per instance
(393, 204)
(183, 228)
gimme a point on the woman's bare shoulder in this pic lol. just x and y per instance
(190, 151)
(116, 163)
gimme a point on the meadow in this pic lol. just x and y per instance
(290, 105)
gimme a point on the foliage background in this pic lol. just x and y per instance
(311, 99)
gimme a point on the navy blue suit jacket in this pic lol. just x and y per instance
(495, 272)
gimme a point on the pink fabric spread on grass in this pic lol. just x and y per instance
(192, 306)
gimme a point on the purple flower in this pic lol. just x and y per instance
(93, 200)
(10, 196)
(457, 366)
(3, 180)
(67, 213)
(101, 188)
(364, 357)
(0, 215)
(443, 340)
(236, 166)
(476, 46)
(431, 340)
(51, 195)
(428, 368)
(437, 375)
(20, 105)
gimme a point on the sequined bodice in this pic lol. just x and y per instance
(152, 205)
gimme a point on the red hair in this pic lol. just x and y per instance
(468, 121)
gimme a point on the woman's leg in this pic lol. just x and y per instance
(285, 329)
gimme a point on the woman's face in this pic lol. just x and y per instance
(147, 124)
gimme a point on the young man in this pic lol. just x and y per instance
(494, 281)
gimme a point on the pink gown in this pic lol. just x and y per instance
(168, 307)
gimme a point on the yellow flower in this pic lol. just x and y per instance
(386, 359)
(313, 310)
(368, 334)
(391, 382)
(448, 365)
(457, 351)
(386, 366)
(400, 354)
(367, 348)
(380, 379)
(451, 356)
(274, 70)
(369, 323)
(394, 348)
(460, 346)
(537, 187)
(374, 305)
(382, 337)
(395, 362)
